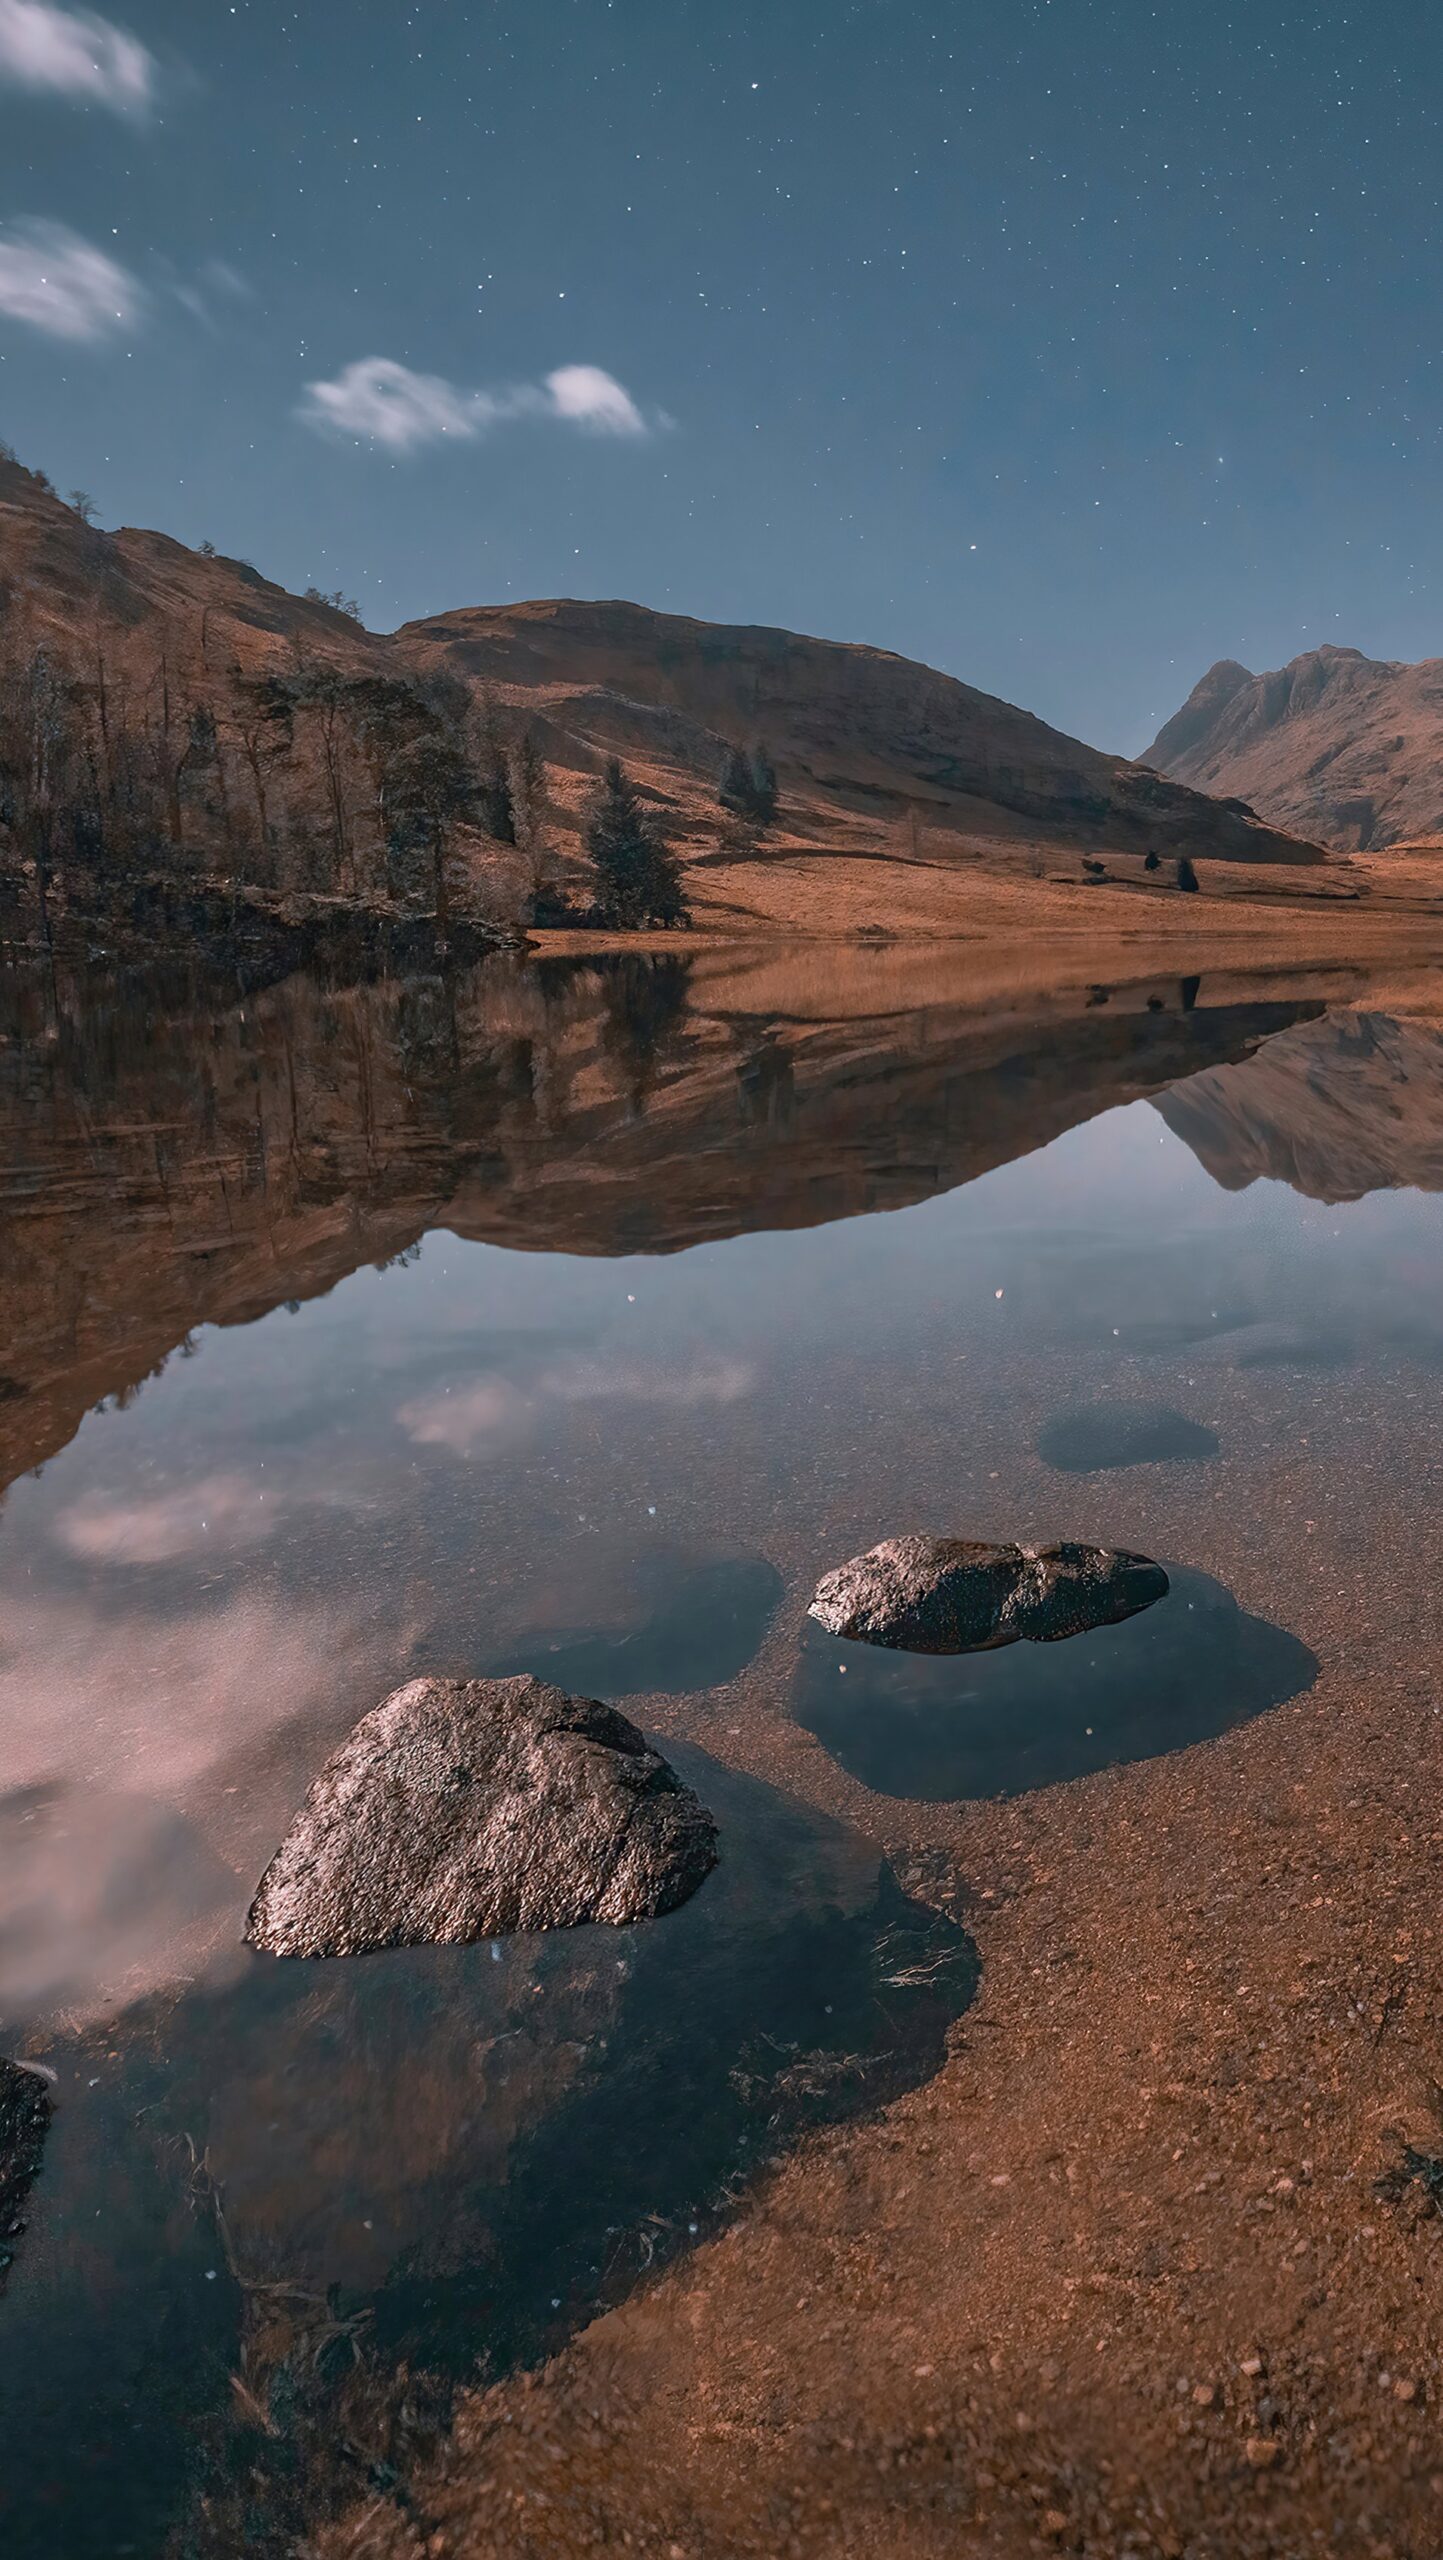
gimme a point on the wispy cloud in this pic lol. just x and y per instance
(382, 402)
(214, 288)
(53, 280)
(478, 1417)
(475, 1419)
(103, 1890)
(218, 1513)
(390, 405)
(74, 54)
(218, 1516)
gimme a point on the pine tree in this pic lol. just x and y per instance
(1186, 876)
(748, 786)
(764, 787)
(494, 801)
(638, 877)
(526, 780)
(735, 788)
(530, 813)
(495, 804)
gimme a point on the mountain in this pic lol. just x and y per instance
(862, 737)
(194, 727)
(1339, 747)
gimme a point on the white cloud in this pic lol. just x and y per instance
(53, 280)
(389, 404)
(386, 403)
(591, 398)
(74, 54)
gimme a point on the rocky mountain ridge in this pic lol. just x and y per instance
(1345, 748)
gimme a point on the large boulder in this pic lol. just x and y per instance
(959, 1595)
(463, 1809)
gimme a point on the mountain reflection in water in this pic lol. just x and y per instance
(1338, 1108)
(538, 1317)
(165, 1165)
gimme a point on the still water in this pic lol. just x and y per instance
(573, 1319)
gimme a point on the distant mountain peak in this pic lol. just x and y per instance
(1342, 747)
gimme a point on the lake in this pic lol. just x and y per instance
(572, 1317)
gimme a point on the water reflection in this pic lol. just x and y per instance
(170, 1160)
(608, 1427)
(994, 1724)
(443, 2157)
(1346, 1105)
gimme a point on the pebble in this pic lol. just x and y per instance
(1262, 2452)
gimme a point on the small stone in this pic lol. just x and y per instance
(1205, 2394)
(1263, 2451)
(1252, 2366)
(1405, 2390)
(959, 1595)
(1054, 2522)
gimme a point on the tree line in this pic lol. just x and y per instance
(302, 779)
(406, 791)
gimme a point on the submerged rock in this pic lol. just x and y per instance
(24, 2123)
(1091, 1439)
(463, 1809)
(959, 1595)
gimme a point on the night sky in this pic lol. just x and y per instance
(1068, 347)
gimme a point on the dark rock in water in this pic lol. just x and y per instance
(985, 1725)
(1091, 1438)
(958, 1595)
(24, 2123)
(463, 1809)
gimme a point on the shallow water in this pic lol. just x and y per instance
(574, 1319)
